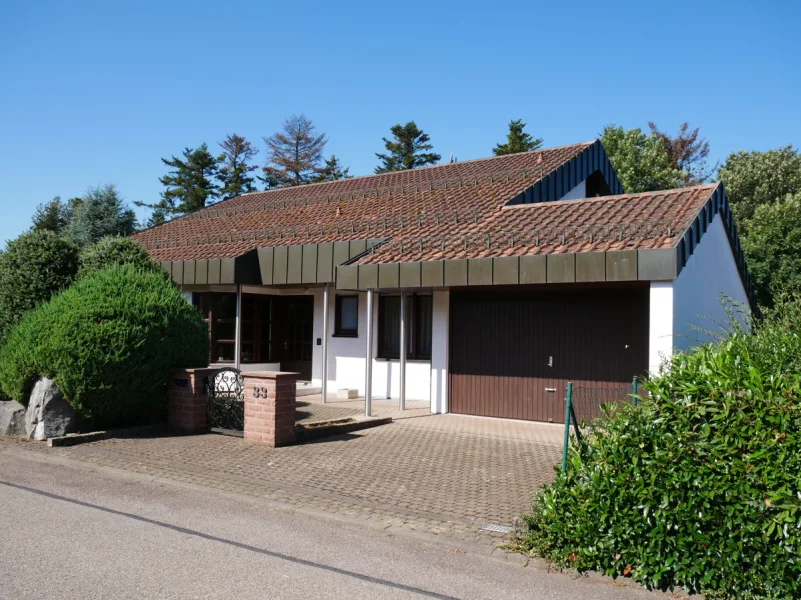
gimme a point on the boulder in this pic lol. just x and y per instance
(48, 415)
(12, 418)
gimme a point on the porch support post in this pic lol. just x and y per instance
(324, 386)
(402, 402)
(238, 330)
(368, 366)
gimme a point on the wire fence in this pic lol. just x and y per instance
(584, 409)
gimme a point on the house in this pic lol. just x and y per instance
(516, 274)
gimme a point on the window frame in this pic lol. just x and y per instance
(413, 342)
(338, 330)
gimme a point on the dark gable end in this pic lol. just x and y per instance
(591, 164)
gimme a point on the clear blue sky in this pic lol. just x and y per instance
(98, 92)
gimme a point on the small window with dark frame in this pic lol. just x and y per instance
(418, 327)
(346, 320)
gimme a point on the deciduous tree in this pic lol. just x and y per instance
(294, 154)
(408, 149)
(772, 246)
(517, 140)
(756, 178)
(641, 161)
(687, 153)
(234, 172)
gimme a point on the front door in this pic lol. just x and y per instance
(294, 318)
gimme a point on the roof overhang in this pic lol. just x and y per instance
(275, 265)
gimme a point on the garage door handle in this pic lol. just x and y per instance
(550, 389)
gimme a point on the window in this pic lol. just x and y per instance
(418, 327)
(219, 313)
(346, 321)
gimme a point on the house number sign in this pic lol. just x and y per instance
(259, 392)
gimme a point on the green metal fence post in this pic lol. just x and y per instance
(634, 389)
(568, 411)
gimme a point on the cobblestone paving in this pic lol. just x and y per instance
(310, 409)
(447, 475)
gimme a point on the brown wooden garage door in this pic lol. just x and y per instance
(512, 353)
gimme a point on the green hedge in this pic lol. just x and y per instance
(33, 267)
(109, 342)
(112, 251)
(699, 486)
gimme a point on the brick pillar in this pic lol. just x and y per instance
(270, 407)
(187, 403)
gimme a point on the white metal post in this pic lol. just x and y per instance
(238, 331)
(403, 351)
(324, 387)
(368, 370)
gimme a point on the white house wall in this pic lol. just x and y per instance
(689, 310)
(346, 358)
(710, 274)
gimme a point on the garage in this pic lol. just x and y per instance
(513, 351)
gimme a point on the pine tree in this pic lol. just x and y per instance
(332, 171)
(190, 185)
(100, 213)
(51, 216)
(294, 153)
(517, 140)
(234, 171)
(407, 150)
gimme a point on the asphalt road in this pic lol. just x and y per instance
(68, 531)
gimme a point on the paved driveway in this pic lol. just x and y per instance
(443, 474)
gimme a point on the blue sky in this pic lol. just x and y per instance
(98, 92)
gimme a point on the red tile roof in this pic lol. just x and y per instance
(375, 206)
(447, 211)
(624, 222)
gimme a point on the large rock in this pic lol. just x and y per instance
(48, 415)
(12, 418)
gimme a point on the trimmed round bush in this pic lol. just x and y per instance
(112, 251)
(33, 267)
(699, 486)
(109, 343)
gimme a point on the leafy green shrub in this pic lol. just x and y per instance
(109, 342)
(33, 267)
(112, 251)
(699, 486)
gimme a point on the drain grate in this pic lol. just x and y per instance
(497, 528)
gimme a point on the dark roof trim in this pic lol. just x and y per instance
(565, 177)
(717, 204)
(276, 265)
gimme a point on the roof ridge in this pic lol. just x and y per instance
(612, 197)
(428, 167)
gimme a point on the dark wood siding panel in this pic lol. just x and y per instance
(502, 345)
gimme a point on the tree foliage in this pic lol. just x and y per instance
(641, 161)
(408, 149)
(697, 486)
(332, 170)
(189, 186)
(772, 246)
(33, 267)
(687, 153)
(755, 178)
(109, 342)
(517, 140)
(99, 213)
(113, 251)
(234, 172)
(52, 216)
(294, 154)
